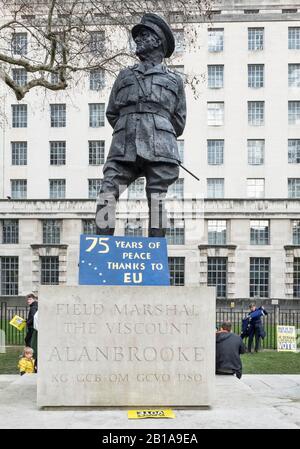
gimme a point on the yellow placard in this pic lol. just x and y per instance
(286, 339)
(150, 413)
(18, 322)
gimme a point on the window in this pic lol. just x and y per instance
(215, 152)
(294, 187)
(294, 151)
(296, 277)
(94, 188)
(89, 226)
(19, 76)
(294, 112)
(255, 188)
(97, 79)
(217, 275)
(10, 231)
(251, 11)
(259, 232)
(136, 190)
(19, 44)
(176, 16)
(294, 38)
(289, 10)
(18, 189)
(294, 75)
(49, 270)
(256, 151)
(58, 153)
(256, 113)
(57, 188)
(61, 46)
(96, 115)
(9, 275)
(180, 144)
(215, 76)
(179, 40)
(176, 269)
(19, 115)
(215, 187)
(54, 78)
(215, 39)
(255, 39)
(176, 190)
(134, 228)
(131, 44)
(175, 233)
(215, 114)
(51, 232)
(19, 153)
(97, 40)
(296, 232)
(58, 115)
(256, 75)
(217, 232)
(259, 277)
(96, 152)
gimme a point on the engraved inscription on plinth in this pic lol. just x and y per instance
(121, 346)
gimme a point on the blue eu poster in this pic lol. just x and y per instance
(110, 260)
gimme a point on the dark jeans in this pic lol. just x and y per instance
(159, 176)
(254, 333)
(29, 336)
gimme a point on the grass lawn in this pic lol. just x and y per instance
(265, 362)
(271, 362)
(9, 360)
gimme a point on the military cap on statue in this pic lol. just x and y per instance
(155, 23)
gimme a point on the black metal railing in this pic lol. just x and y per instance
(12, 335)
(235, 317)
(276, 316)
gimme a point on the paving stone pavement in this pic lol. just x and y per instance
(255, 401)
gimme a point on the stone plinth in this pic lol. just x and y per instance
(126, 346)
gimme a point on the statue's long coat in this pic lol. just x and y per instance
(147, 114)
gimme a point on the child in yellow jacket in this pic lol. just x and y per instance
(26, 363)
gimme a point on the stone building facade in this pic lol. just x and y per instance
(237, 228)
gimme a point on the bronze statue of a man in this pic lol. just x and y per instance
(147, 110)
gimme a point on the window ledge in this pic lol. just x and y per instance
(48, 245)
(291, 246)
(206, 245)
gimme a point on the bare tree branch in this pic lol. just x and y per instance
(63, 40)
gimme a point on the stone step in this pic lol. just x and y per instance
(7, 379)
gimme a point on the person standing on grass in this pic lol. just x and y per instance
(255, 327)
(33, 307)
(229, 347)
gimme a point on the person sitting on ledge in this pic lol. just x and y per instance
(229, 346)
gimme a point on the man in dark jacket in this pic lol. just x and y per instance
(256, 328)
(33, 307)
(229, 346)
(147, 110)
